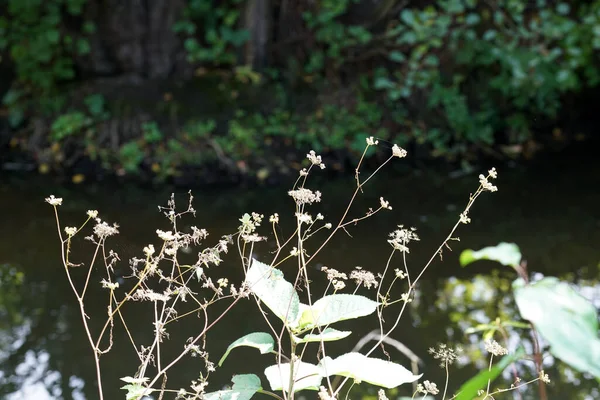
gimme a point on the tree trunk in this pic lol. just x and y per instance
(258, 22)
(133, 38)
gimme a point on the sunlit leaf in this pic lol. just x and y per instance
(566, 320)
(334, 308)
(328, 335)
(259, 340)
(505, 253)
(306, 376)
(366, 369)
(269, 285)
(244, 387)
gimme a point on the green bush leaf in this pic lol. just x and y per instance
(469, 389)
(306, 376)
(328, 335)
(566, 320)
(372, 370)
(259, 340)
(269, 285)
(244, 387)
(505, 253)
(334, 308)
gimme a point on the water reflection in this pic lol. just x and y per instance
(550, 210)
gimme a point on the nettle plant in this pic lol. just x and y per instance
(177, 290)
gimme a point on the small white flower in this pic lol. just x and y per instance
(305, 196)
(328, 225)
(338, 285)
(381, 395)
(54, 201)
(166, 236)
(149, 250)
(222, 282)
(319, 216)
(544, 377)
(495, 348)
(431, 387)
(324, 394)
(103, 230)
(294, 252)
(486, 184)
(92, 213)
(315, 159)
(464, 219)
(303, 172)
(70, 231)
(274, 219)
(400, 274)
(109, 285)
(493, 173)
(372, 142)
(304, 218)
(384, 204)
(398, 151)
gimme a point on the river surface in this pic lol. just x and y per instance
(549, 207)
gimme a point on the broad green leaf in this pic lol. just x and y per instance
(505, 253)
(244, 387)
(269, 285)
(328, 335)
(334, 308)
(567, 321)
(306, 376)
(372, 370)
(259, 340)
(469, 389)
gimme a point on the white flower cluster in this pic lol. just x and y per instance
(305, 196)
(401, 237)
(315, 159)
(495, 348)
(485, 183)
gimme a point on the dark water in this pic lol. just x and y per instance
(549, 207)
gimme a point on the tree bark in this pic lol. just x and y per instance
(133, 38)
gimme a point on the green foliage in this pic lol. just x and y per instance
(211, 32)
(575, 339)
(68, 125)
(40, 47)
(453, 75)
(244, 387)
(565, 319)
(260, 340)
(482, 69)
(505, 253)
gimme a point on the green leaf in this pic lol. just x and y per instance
(396, 56)
(505, 253)
(372, 370)
(328, 335)
(306, 376)
(269, 285)
(259, 340)
(135, 389)
(469, 389)
(244, 387)
(334, 308)
(566, 320)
